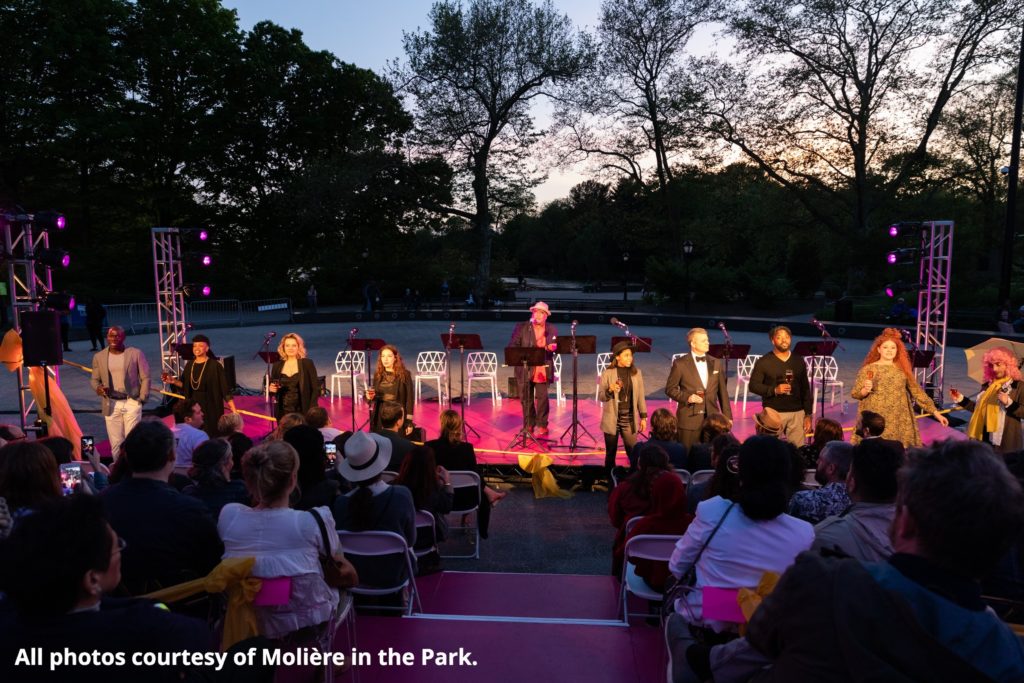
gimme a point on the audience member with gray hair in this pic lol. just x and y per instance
(831, 498)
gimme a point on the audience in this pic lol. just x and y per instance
(230, 423)
(211, 476)
(957, 511)
(724, 482)
(825, 430)
(664, 436)
(188, 433)
(287, 421)
(699, 457)
(744, 538)
(768, 422)
(61, 563)
(285, 542)
(831, 498)
(431, 488)
(870, 426)
(29, 477)
(314, 489)
(392, 419)
(318, 418)
(862, 530)
(634, 497)
(240, 445)
(171, 537)
(455, 455)
(64, 451)
(668, 516)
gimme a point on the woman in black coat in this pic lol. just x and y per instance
(204, 380)
(293, 379)
(391, 382)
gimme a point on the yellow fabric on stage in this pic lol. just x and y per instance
(749, 600)
(544, 484)
(231, 576)
(985, 419)
(61, 421)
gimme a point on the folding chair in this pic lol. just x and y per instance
(482, 366)
(426, 534)
(367, 544)
(701, 476)
(654, 547)
(432, 366)
(684, 475)
(744, 368)
(466, 485)
(826, 376)
(387, 476)
(559, 396)
(603, 361)
(343, 367)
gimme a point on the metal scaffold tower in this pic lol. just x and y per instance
(27, 283)
(936, 261)
(170, 296)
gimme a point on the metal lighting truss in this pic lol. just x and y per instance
(27, 282)
(933, 301)
(170, 296)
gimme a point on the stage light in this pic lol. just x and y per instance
(53, 257)
(904, 228)
(203, 235)
(894, 289)
(58, 301)
(50, 220)
(206, 290)
(900, 257)
(207, 260)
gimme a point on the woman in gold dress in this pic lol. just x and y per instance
(885, 385)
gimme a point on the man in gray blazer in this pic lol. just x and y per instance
(120, 376)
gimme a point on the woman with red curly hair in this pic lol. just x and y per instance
(1000, 405)
(885, 385)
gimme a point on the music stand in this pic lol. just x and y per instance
(576, 345)
(527, 357)
(463, 342)
(366, 345)
(817, 351)
(269, 357)
(921, 358)
(729, 351)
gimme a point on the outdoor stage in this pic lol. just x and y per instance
(497, 425)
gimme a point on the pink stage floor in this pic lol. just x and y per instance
(497, 425)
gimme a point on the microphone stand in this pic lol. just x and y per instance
(264, 349)
(352, 376)
(448, 370)
(576, 425)
(819, 362)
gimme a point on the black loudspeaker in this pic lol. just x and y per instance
(40, 337)
(229, 371)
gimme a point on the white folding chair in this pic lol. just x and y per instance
(654, 547)
(559, 396)
(356, 544)
(631, 522)
(482, 366)
(684, 475)
(701, 476)
(345, 363)
(426, 534)
(466, 485)
(603, 361)
(744, 367)
(432, 366)
(810, 479)
(826, 376)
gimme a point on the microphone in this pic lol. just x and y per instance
(618, 323)
(817, 323)
(270, 335)
(721, 326)
(353, 331)
(574, 324)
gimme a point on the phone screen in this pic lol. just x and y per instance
(331, 451)
(70, 477)
(88, 446)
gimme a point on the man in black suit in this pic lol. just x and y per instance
(533, 382)
(697, 383)
(870, 426)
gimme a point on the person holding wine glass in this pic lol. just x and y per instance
(391, 382)
(293, 379)
(204, 382)
(624, 409)
(780, 379)
(1000, 404)
(886, 385)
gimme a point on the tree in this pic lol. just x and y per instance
(472, 77)
(620, 114)
(829, 92)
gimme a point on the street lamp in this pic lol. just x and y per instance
(687, 253)
(625, 271)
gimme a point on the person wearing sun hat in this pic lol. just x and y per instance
(533, 382)
(373, 505)
(624, 408)
(768, 422)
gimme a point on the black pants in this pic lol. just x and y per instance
(611, 442)
(534, 397)
(688, 437)
(96, 340)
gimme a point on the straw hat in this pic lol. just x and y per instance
(366, 456)
(769, 420)
(540, 306)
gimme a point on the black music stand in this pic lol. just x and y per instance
(526, 357)
(576, 345)
(269, 357)
(921, 358)
(727, 352)
(463, 342)
(367, 345)
(817, 351)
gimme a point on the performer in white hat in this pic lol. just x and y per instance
(533, 382)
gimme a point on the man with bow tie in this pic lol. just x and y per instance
(697, 383)
(1000, 405)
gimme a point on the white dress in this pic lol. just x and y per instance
(285, 542)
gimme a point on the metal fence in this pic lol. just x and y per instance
(140, 318)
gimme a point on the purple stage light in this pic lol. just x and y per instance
(891, 258)
(71, 304)
(206, 290)
(207, 260)
(894, 230)
(61, 222)
(65, 260)
(203, 235)
(889, 292)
